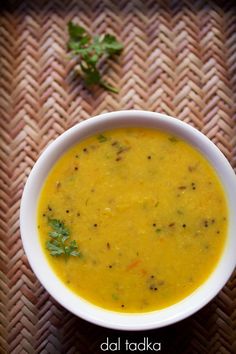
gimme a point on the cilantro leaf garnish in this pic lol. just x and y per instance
(89, 51)
(102, 138)
(59, 243)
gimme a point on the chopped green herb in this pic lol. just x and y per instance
(158, 230)
(102, 138)
(173, 139)
(89, 51)
(59, 244)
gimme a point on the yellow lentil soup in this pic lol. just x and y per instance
(147, 213)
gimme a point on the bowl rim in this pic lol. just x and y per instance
(81, 307)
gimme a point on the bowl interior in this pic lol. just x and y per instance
(40, 265)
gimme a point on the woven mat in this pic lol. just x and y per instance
(179, 59)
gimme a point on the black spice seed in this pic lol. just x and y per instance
(122, 305)
(152, 276)
(118, 158)
(218, 232)
(67, 211)
(76, 168)
(77, 156)
(110, 266)
(213, 221)
(154, 225)
(184, 225)
(44, 214)
(78, 214)
(149, 157)
(95, 225)
(49, 208)
(108, 245)
(153, 287)
(85, 150)
(206, 223)
(172, 224)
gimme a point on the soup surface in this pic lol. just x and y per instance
(148, 215)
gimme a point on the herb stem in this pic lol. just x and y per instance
(108, 87)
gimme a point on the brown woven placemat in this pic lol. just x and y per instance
(180, 59)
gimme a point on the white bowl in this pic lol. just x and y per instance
(80, 306)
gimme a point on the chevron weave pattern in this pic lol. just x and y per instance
(180, 59)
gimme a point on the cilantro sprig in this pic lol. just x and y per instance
(102, 138)
(59, 243)
(89, 51)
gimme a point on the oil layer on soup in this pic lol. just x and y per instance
(147, 212)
